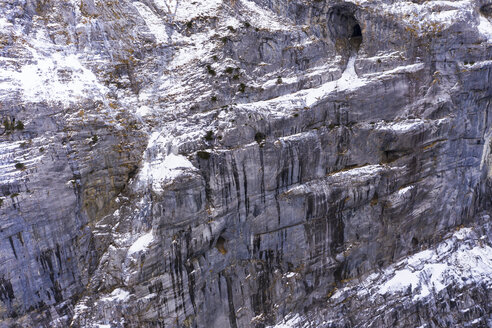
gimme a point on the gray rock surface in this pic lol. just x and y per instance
(245, 163)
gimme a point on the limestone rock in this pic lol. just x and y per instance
(245, 163)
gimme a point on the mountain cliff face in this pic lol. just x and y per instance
(245, 163)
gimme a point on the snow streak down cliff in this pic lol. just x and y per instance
(245, 163)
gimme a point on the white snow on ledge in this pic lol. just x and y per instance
(426, 16)
(289, 322)
(473, 264)
(349, 80)
(460, 260)
(154, 23)
(402, 126)
(359, 172)
(59, 77)
(305, 98)
(485, 28)
(183, 10)
(263, 18)
(158, 171)
(117, 295)
(141, 244)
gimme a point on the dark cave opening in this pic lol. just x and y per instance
(356, 37)
(486, 10)
(356, 32)
(220, 244)
(344, 28)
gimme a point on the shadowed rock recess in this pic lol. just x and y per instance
(245, 163)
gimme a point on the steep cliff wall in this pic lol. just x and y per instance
(244, 163)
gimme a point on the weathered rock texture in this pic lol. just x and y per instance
(240, 163)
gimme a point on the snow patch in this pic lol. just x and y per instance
(194, 48)
(349, 77)
(153, 22)
(433, 270)
(80, 308)
(141, 244)
(286, 104)
(403, 126)
(161, 164)
(117, 295)
(360, 171)
(185, 10)
(459, 261)
(403, 191)
(348, 81)
(485, 28)
(412, 68)
(290, 274)
(143, 111)
(462, 233)
(59, 77)
(263, 18)
(169, 168)
(402, 280)
(429, 16)
(289, 322)
(4, 23)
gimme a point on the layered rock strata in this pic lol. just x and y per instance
(245, 163)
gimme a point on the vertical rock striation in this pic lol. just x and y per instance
(245, 163)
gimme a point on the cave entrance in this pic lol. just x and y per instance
(486, 10)
(344, 28)
(220, 245)
(356, 37)
(356, 32)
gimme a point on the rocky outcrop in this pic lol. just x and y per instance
(244, 163)
(447, 285)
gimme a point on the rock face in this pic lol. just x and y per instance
(244, 163)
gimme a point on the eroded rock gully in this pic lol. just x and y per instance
(245, 163)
